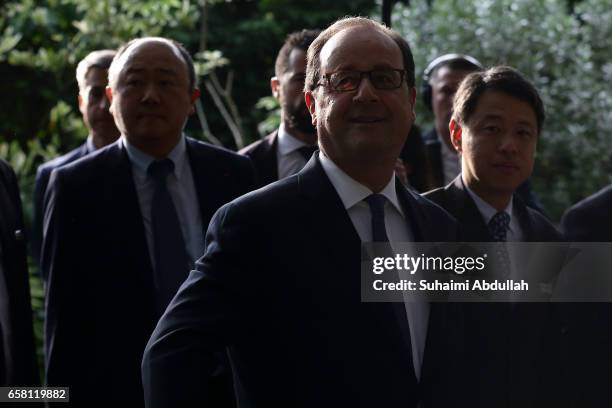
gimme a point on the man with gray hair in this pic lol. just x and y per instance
(287, 304)
(92, 78)
(125, 225)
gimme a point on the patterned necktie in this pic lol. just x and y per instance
(307, 151)
(377, 209)
(170, 254)
(498, 226)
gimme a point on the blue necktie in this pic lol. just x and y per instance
(377, 209)
(171, 259)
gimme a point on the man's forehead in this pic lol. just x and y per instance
(342, 44)
(141, 50)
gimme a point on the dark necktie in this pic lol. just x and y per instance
(171, 259)
(307, 151)
(498, 227)
(377, 209)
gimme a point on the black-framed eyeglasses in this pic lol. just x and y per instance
(345, 81)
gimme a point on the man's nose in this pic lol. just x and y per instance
(508, 143)
(366, 92)
(151, 93)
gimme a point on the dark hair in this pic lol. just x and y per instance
(300, 40)
(96, 59)
(499, 79)
(112, 75)
(313, 68)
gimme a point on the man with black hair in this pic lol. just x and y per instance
(496, 120)
(441, 79)
(286, 150)
(125, 224)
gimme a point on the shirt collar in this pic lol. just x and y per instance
(351, 191)
(89, 144)
(487, 210)
(287, 143)
(141, 160)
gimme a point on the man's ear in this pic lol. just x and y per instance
(311, 105)
(80, 99)
(455, 134)
(109, 95)
(195, 95)
(274, 86)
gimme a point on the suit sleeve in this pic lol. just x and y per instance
(205, 317)
(25, 367)
(66, 357)
(40, 186)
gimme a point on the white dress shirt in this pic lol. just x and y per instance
(352, 193)
(289, 159)
(487, 211)
(182, 190)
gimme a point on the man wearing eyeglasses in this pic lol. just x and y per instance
(288, 305)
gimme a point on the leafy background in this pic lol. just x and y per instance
(563, 46)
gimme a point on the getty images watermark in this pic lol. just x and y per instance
(487, 272)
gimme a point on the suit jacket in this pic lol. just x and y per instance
(263, 155)
(587, 351)
(40, 187)
(279, 285)
(18, 366)
(100, 294)
(434, 167)
(512, 347)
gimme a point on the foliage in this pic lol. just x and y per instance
(568, 56)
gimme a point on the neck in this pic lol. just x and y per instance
(308, 138)
(375, 175)
(156, 148)
(496, 199)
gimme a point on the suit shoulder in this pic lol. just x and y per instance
(62, 160)
(200, 148)
(593, 205)
(437, 195)
(257, 146)
(545, 230)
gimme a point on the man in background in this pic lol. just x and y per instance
(92, 78)
(124, 226)
(286, 150)
(441, 79)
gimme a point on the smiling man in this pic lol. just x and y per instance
(125, 225)
(288, 306)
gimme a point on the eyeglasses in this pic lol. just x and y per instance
(345, 81)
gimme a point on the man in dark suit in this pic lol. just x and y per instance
(497, 117)
(588, 348)
(285, 151)
(125, 224)
(92, 78)
(279, 284)
(18, 365)
(441, 79)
